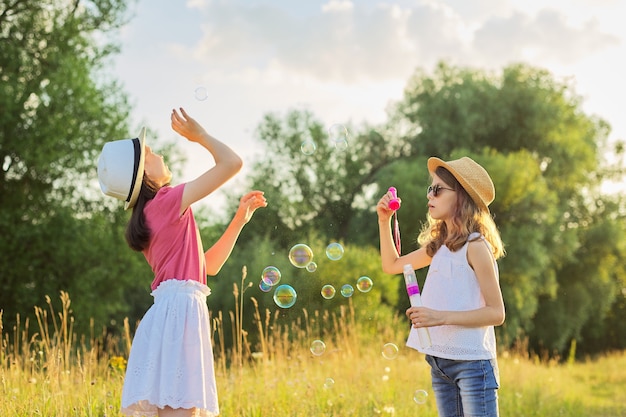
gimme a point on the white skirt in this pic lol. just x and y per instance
(171, 357)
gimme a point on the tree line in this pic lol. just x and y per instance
(563, 278)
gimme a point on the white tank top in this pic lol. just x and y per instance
(451, 285)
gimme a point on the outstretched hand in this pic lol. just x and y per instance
(249, 203)
(186, 126)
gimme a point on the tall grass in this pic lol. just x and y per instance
(51, 371)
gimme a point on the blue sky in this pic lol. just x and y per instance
(347, 60)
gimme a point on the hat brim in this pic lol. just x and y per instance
(140, 168)
(434, 163)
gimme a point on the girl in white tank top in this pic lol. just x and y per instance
(462, 300)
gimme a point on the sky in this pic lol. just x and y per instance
(346, 61)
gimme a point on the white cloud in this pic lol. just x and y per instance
(344, 60)
(545, 38)
(337, 6)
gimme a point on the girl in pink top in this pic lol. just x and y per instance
(170, 367)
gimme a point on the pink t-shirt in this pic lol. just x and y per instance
(175, 249)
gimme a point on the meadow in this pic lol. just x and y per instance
(319, 365)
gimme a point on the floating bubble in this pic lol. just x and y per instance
(265, 287)
(285, 296)
(318, 347)
(300, 255)
(420, 396)
(329, 383)
(334, 251)
(390, 351)
(201, 93)
(337, 132)
(308, 147)
(271, 275)
(364, 284)
(341, 145)
(328, 291)
(347, 290)
(311, 267)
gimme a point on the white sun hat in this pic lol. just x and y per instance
(120, 168)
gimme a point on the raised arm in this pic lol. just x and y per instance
(227, 162)
(391, 261)
(217, 254)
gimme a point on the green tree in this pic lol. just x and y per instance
(322, 191)
(544, 153)
(57, 108)
(546, 158)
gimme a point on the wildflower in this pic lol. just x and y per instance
(118, 363)
(389, 409)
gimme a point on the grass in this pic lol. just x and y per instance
(52, 372)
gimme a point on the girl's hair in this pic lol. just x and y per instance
(466, 219)
(137, 231)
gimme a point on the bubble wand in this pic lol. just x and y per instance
(413, 290)
(394, 204)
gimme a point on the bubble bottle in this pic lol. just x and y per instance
(394, 203)
(416, 301)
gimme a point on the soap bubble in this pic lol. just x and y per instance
(390, 351)
(271, 275)
(285, 296)
(328, 291)
(264, 286)
(318, 347)
(300, 255)
(311, 267)
(420, 396)
(329, 383)
(201, 93)
(308, 147)
(347, 290)
(364, 284)
(337, 133)
(334, 251)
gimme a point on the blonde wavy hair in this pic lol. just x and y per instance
(467, 219)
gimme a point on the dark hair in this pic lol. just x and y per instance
(137, 231)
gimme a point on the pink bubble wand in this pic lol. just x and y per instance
(394, 204)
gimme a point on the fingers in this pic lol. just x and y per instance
(177, 121)
(417, 316)
(180, 116)
(254, 199)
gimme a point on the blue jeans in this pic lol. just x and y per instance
(465, 388)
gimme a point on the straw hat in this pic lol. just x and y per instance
(473, 178)
(120, 168)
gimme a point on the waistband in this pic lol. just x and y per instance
(176, 286)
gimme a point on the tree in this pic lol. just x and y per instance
(528, 129)
(57, 108)
(321, 190)
(545, 157)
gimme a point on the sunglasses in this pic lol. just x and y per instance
(436, 189)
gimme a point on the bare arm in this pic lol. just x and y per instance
(227, 162)
(492, 314)
(392, 262)
(217, 254)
